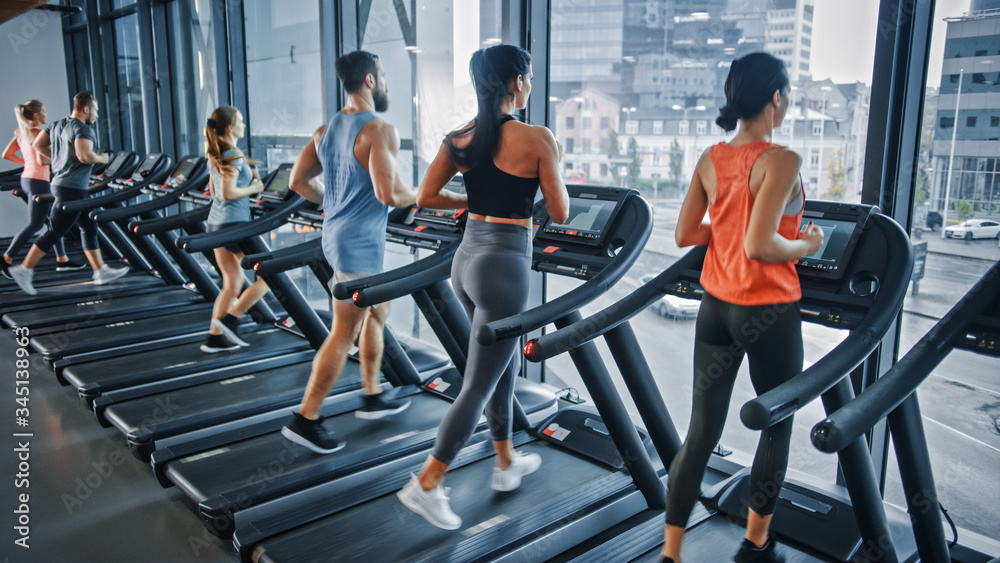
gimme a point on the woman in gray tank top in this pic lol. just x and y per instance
(232, 181)
(491, 269)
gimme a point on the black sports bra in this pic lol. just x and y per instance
(496, 193)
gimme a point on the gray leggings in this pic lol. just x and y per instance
(490, 275)
(771, 335)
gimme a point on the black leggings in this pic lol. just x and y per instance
(490, 275)
(60, 222)
(38, 212)
(771, 335)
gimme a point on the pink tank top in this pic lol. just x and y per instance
(32, 169)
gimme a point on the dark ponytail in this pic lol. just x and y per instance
(751, 83)
(493, 70)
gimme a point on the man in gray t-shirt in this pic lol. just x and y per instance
(69, 144)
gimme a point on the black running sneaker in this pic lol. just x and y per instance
(218, 343)
(228, 325)
(750, 553)
(3, 269)
(69, 266)
(311, 434)
(377, 407)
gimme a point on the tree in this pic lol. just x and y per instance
(835, 187)
(964, 209)
(676, 161)
(636, 160)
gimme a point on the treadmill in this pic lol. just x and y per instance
(260, 394)
(113, 243)
(159, 327)
(152, 368)
(973, 324)
(856, 282)
(596, 469)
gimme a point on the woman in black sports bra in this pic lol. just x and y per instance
(503, 163)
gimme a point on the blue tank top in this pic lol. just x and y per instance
(354, 219)
(235, 211)
(496, 193)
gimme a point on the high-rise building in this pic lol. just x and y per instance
(789, 35)
(966, 149)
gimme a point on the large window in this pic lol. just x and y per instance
(129, 109)
(194, 89)
(957, 180)
(656, 89)
(284, 77)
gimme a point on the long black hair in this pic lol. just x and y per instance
(751, 83)
(492, 70)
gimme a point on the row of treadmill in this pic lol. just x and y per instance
(209, 424)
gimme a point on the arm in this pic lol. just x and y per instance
(43, 147)
(384, 167)
(229, 190)
(439, 173)
(306, 170)
(692, 229)
(553, 188)
(84, 152)
(10, 153)
(779, 185)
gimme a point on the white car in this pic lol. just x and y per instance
(671, 306)
(974, 228)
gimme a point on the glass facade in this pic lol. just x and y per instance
(129, 109)
(195, 91)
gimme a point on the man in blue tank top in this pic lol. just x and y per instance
(357, 154)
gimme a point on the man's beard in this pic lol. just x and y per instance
(381, 99)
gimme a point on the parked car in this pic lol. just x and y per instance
(974, 228)
(671, 306)
(934, 220)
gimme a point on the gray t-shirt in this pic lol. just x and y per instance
(237, 210)
(67, 170)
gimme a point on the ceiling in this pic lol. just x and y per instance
(10, 9)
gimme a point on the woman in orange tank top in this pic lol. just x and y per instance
(751, 191)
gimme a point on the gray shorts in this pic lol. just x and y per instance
(343, 277)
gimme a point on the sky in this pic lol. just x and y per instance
(839, 27)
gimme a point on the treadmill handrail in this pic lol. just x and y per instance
(598, 324)
(159, 173)
(523, 323)
(404, 286)
(169, 198)
(285, 259)
(784, 400)
(347, 290)
(242, 231)
(169, 223)
(846, 424)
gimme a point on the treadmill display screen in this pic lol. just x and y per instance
(842, 226)
(112, 168)
(277, 188)
(145, 166)
(182, 170)
(447, 216)
(589, 218)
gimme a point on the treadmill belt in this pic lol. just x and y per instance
(71, 293)
(103, 307)
(94, 378)
(230, 469)
(384, 530)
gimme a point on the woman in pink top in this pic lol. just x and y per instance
(31, 115)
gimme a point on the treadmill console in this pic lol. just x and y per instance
(145, 168)
(589, 238)
(276, 189)
(983, 333)
(424, 227)
(113, 167)
(842, 225)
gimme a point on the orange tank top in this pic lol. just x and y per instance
(728, 274)
(31, 167)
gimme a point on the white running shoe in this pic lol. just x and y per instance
(430, 505)
(107, 274)
(24, 278)
(521, 465)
